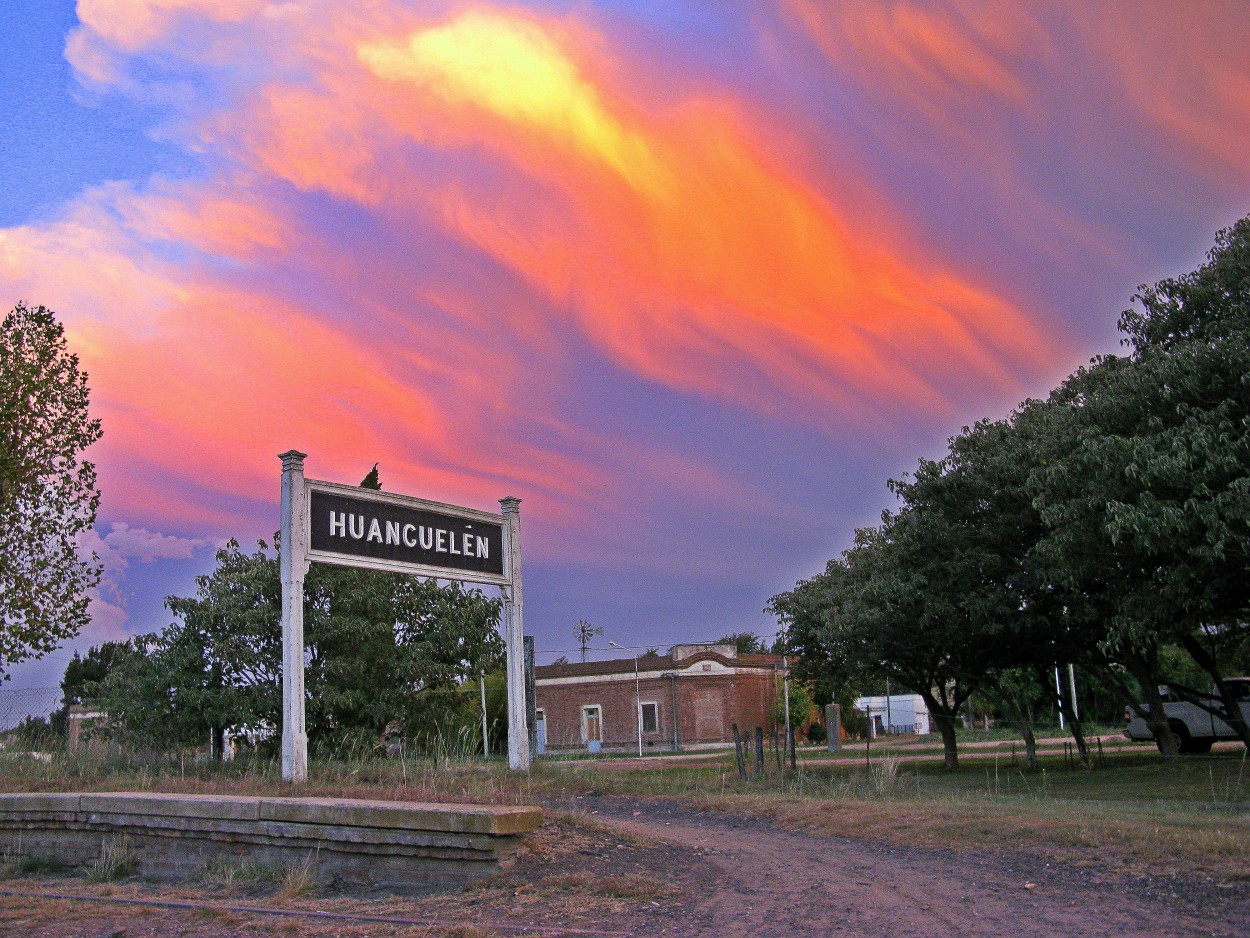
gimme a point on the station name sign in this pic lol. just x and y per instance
(394, 532)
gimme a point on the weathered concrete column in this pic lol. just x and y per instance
(514, 632)
(293, 567)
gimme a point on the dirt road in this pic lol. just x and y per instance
(755, 880)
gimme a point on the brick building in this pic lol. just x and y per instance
(688, 698)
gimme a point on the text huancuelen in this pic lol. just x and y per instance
(398, 532)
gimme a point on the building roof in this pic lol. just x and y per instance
(658, 663)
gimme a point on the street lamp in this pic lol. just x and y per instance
(637, 693)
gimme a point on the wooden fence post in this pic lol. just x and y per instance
(742, 766)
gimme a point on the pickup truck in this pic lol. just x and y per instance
(1194, 728)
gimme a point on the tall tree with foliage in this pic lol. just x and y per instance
(48, 493)
(1107, 526)
(1150, 507)
(384, 649)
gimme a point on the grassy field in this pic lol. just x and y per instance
(1131, 811)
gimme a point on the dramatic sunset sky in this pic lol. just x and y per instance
(690, 278)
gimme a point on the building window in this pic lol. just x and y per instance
(650, 717)
(592, 724)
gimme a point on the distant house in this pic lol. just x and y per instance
(689, 698)
(898, 713)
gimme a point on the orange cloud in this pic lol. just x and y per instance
(669, 234)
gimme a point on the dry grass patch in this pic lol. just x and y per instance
(298, 880)
(116, 861)
(627, 886)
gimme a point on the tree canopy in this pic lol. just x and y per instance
(1107, 526)
(48, 493)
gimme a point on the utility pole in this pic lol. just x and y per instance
(889, 716)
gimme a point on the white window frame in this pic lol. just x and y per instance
(643, 723)
(585, 723)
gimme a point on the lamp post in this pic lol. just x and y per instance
(637, 693)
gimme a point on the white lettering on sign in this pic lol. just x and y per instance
(461, 543)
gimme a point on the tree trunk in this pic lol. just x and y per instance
(1234, 717)
(219, 741)
(946, 725)
(1158, 721)
(1144, 667)
(1030, 746)
(1078, 734)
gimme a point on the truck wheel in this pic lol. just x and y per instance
(1181, 735)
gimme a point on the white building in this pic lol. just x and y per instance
(898, 713)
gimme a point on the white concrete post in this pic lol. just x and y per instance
(518, 732)
(481, 678)
(293, 567)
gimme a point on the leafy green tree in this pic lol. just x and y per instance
(387, 647)
(1107, 526)
(746, 643)
(800, 704)
(84, 672)
(1147, 506)
(803, 613)
(987, 484)
(904, 616)
(48, 493)
(384, 649)
(1017, 693)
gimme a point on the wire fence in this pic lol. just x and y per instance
(16, 704)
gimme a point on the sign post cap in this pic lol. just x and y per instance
(292, 459)
(510, 504)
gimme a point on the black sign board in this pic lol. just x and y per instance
(393, 532)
